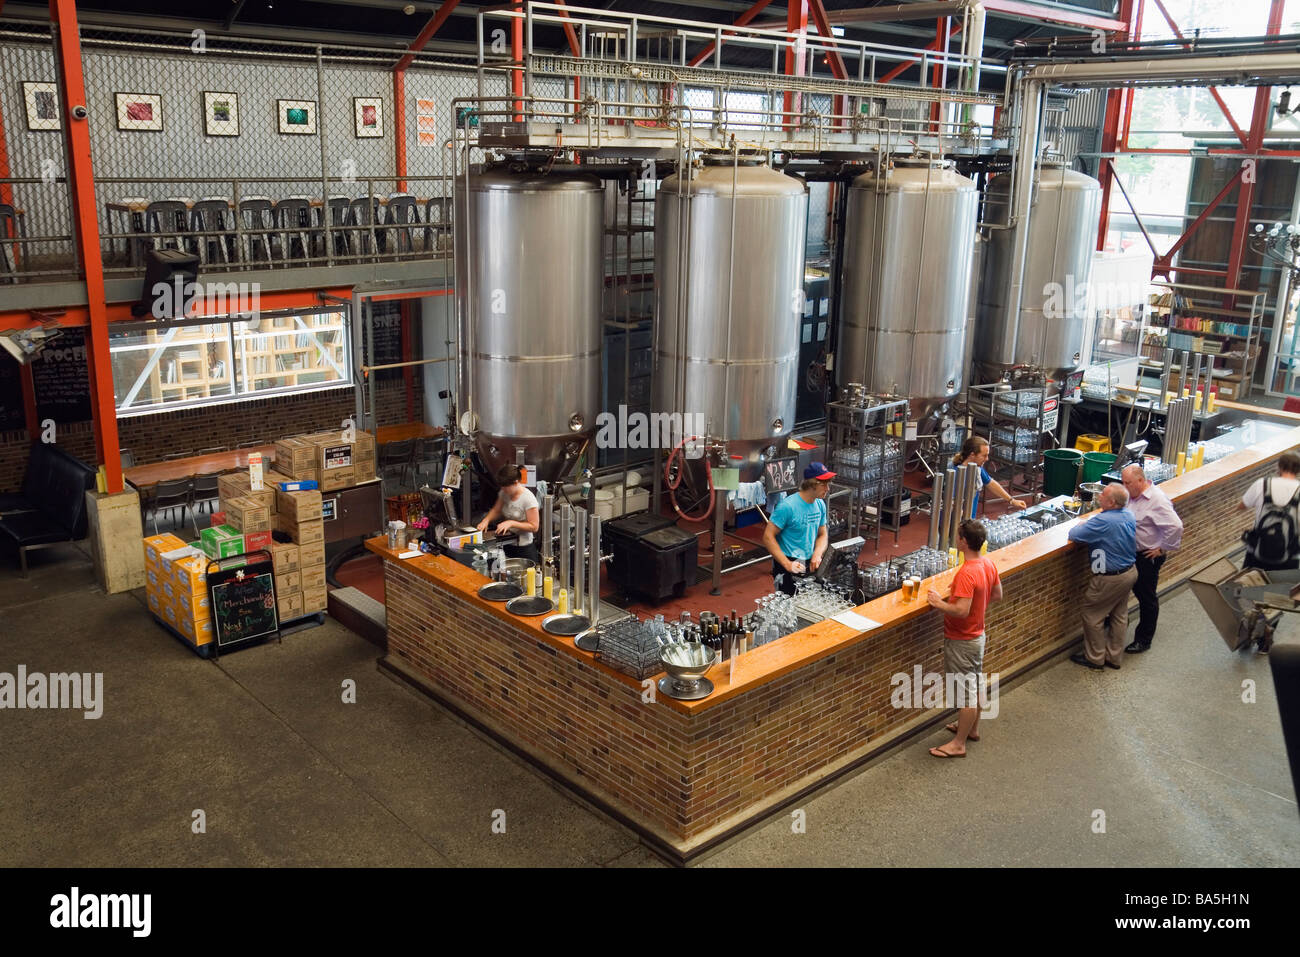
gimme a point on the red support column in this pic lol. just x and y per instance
(399, 128)
(81, 178)
(796, 54)
(1254, 143)
(1116, 99)
(517, 54)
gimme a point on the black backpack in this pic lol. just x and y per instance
(1273, 539)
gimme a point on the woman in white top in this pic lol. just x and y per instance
(517, 506)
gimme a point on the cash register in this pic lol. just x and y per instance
(449, 536)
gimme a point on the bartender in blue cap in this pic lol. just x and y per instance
(796, 536)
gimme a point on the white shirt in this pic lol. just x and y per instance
(1282, 489)
(517, 511)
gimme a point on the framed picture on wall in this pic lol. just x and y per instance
(297, 116)
(220, 113)
(368, 111)
(141, 112)
(42, 103)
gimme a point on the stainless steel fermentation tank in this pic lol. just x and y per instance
(529, 277)
(729, 262)
(1049, 331)
(909, 240)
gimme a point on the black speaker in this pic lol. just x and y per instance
(169, 278)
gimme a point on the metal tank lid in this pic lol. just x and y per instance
(912, 174)
(748, 180)
(516, 176)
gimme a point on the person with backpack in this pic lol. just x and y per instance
(1272, 542)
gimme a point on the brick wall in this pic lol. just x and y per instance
(684, 776)
(151, 438)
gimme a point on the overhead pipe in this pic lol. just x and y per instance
(1239, 70)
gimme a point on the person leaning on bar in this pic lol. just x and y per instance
(517, 506)
(1159, 532)
(1112, 537)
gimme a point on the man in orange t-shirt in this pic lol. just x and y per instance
(974, 586)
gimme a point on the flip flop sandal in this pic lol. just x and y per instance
(936, 753)
(952, 728)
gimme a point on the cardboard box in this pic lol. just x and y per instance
(192, 608)
(365, 442)
(198, 631)
(253, 541)
(191, 575)
(288, 605)
(248, 515)
(222, 541)
(284, 557)
(313, 600)
(167, 561)
(154, 602)
(288, 582)
(294, 456)
(312, 554)
(233, 485)
(333, 451)
(303, 533)
(363, 466)
(295, 507)
(335, 479)
(169, 615)
(155, 545)
(152, 581)
(313, 577)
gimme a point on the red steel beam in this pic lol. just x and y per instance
(1245, 198)
(824, 28)
(576, 49)
(1166, 261)
(1037, 11)
(1213, 90)
(426, 34)
(902, 68)
(741, 21)
(81, 179)
(1110, 127)
(796, 21)
(517, 55)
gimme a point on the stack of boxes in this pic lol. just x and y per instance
(300, 563)
(176, 587)
(327, 458)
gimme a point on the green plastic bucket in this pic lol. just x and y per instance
(1061, 471)
(1096, 464)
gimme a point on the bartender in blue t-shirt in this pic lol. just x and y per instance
(976, 449)
(796, 535)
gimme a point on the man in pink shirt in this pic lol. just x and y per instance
(1159, 532)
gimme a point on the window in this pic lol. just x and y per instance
(227, 361)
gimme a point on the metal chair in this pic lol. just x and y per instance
(203, 492)
(258, 217)
(11, 227)
(216, 241)
(128, 458)
(428, 452)
(169, 496)
(165, 224)
(396, 455)
(362, 214)
(293, 224)
(402, 216)
(336, 207)
(437, 221)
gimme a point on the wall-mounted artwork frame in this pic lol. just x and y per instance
(41, 101)
(139, 112)
(220, 113)
(368, 115)
(296, 117)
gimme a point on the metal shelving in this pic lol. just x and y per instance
(865, 449)
(1018, 423)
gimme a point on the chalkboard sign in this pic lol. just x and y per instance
(12, 417)
(780, 475)
(62, 379)
(386, 319)
(243, 599)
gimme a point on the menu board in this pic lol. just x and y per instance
(11, 394)
(779, 474)
(62, 379)
(386, 320)
(243, 603)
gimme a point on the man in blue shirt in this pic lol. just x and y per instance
(1111, 537)
(796, 535)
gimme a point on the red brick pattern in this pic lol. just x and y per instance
(685, 774)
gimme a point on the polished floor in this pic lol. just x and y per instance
(286, 773)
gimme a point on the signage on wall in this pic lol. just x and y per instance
(242, 599)
(779, 474)
(62, 379)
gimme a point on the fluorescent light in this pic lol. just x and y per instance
(837, 31)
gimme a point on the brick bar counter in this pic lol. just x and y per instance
(799, 712)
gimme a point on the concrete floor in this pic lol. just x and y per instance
(287, 774)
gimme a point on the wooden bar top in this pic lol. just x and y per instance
(407, 430)
(144, 475)
(779, 658)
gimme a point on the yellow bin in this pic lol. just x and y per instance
(1092, 443)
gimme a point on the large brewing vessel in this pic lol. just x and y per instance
(529, 277)
(1049, 331)
(908, 243)
(729, 260)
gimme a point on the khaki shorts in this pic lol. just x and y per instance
(962, 663)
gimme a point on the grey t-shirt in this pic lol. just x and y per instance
(517, 511)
